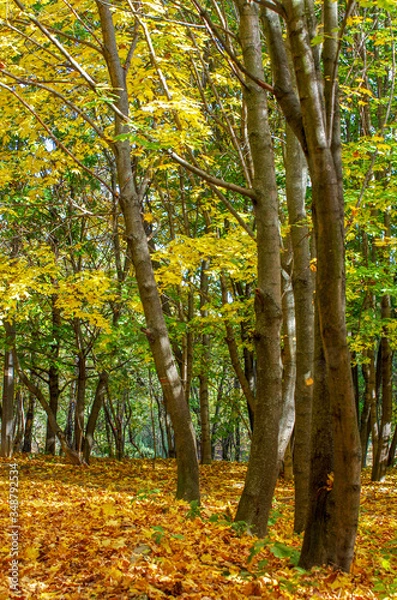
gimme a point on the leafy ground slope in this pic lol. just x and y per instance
(114, 532)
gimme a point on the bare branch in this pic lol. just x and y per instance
(224, 48)
(210, 179)
(233, 211)
(274, 6)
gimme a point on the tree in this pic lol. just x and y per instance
(314, 118)
(130, 193)
(255, 502)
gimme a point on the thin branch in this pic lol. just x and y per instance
(350, 6)
(91, 82)
(274, 6)
(57, 94)
(84, 24)
(58, 45)
(72, 38)
(233, 211)
(374, 155)
(31, 39)
(229, 126)
(225, 48)
(53, 136)
(210, 179)
(131, 49)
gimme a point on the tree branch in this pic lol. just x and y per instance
(54, 138)
(210, 179)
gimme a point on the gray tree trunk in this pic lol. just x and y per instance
(78, 440)
(322, 133)
(316, 542)
(287, 420)
(256, 499)
(302, 282)
(205, 442)
(380, 464)
(313, 115)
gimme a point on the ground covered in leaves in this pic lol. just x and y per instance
(113, 531)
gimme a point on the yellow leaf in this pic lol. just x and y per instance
(32, 553)
(109, 509)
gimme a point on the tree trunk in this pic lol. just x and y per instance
(256, 499)
(316, 541)
(302, 283)
(241, 374)
(289, 355)
(356, 385)
(381, 457)
(160, 410)
(205, 423)
(288, 467)
(27, 441)
(70, 416)
(109, 432)
(19, 423)
(368, 371)
(320, 120)
(393, 448)
(53, 374)
(78, 441)
(95, 409)
(156, 330)
(189, 347)
(215, 422)
(7, 419)
(314, 117)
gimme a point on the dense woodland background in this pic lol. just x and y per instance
(173, 222)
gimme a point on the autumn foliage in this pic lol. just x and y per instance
(114, 531)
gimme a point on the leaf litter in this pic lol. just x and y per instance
(114, 531)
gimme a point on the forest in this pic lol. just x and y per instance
(198, 298)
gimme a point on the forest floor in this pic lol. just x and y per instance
(114, 531)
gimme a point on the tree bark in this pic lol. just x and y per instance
(256, 499)
(244, 294)
(380, 464)
(7, 418)
(322, 133)
(27, 441)
(316, 542)
(205, 442)
(287, 420)
(370, 400)
(53, 373)
(156, 330)
(19, 423)
(78, 440)
(241, 374)
(314, 117)
(95, 409)
(302, 282)
(392, 449)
